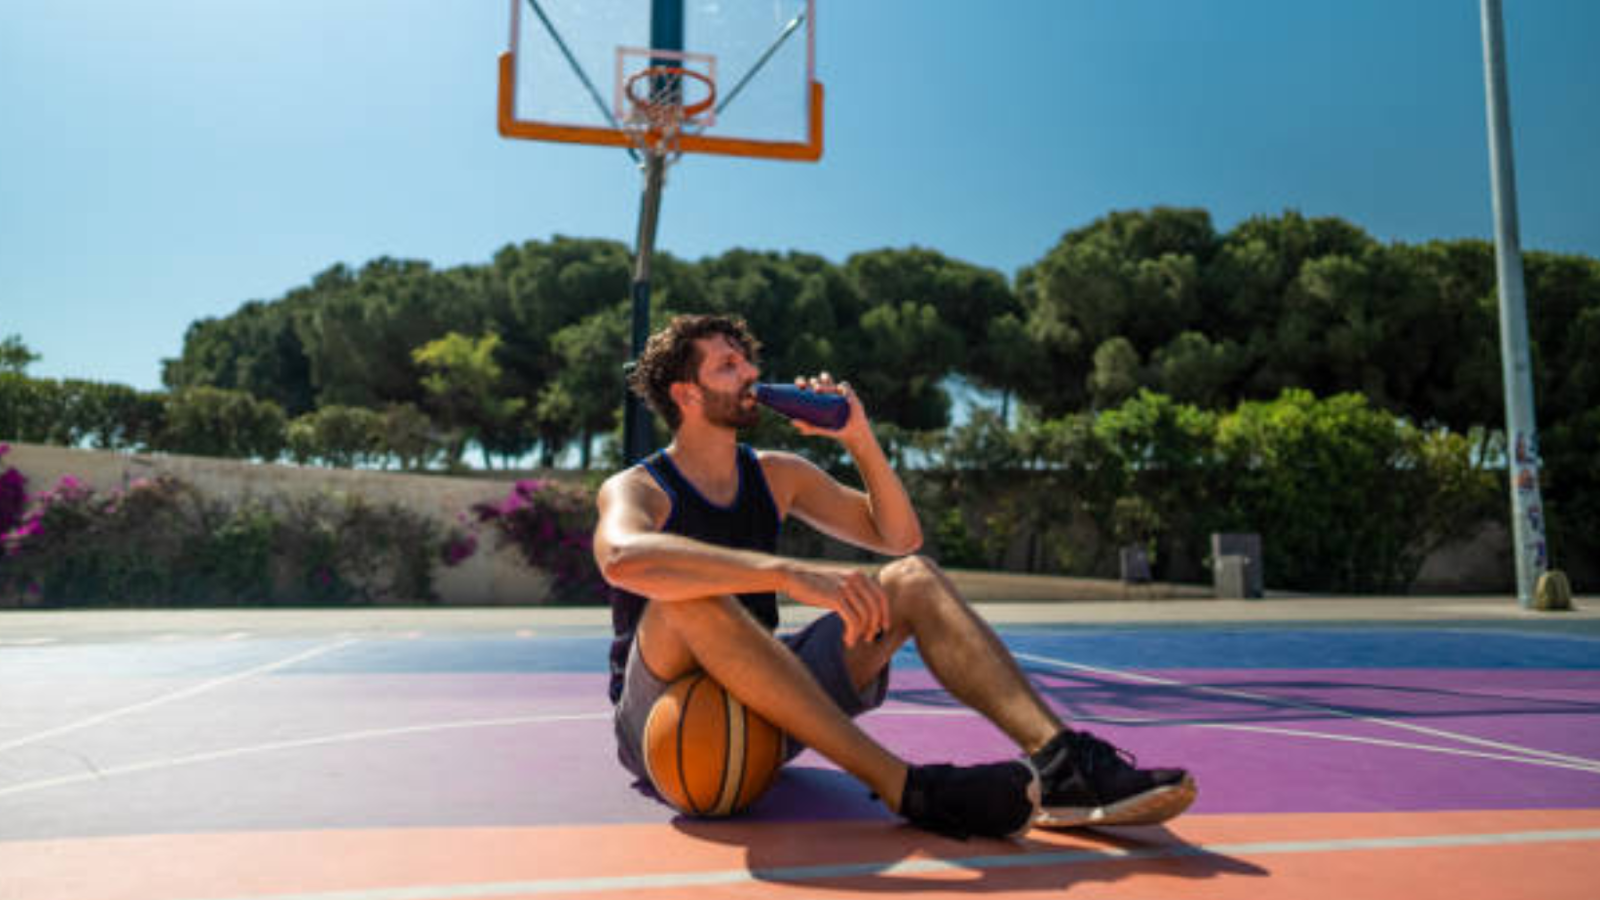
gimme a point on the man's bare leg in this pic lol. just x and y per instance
(959, 648)
(1085, 779)
(717, 634)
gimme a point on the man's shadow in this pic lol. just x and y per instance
(817, 828)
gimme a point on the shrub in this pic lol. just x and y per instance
(337, 548)
(13, 494)
(953, 543)
(74, 545)
(551, 526)
(1346, 497)
(160, 542)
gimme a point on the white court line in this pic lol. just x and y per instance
(27, 642)
(968, 864)
(174, 696)
(405, 730)
(1274, 729)
(342, 738)
(1403, 745)
(1320, 709)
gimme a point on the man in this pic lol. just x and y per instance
(688, 538)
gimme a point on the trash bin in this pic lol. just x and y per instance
(1245, 550)
(1230, 578)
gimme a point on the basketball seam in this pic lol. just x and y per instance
(738, 736)
(683, 776)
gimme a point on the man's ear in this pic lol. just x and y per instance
(683, 392)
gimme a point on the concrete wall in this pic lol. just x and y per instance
(495, 578)
(1480, 563)
(488, 578)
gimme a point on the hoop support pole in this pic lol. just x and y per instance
(637, 425)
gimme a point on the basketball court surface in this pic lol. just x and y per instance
(1409, 749)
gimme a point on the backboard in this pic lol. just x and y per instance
(566, 75)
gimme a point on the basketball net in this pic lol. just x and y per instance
(659, 114)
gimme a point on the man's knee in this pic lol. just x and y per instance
(666, 631)
(688, 623)
(910, 576)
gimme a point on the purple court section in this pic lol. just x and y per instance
(319, 747)
(1414, 739)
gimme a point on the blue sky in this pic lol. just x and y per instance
(166, 160)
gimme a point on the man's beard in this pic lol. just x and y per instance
(726, 409)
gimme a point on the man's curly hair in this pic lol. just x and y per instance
(670, 356)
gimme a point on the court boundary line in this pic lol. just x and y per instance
(1289, 703)
(1276, 729)
(173, 762)
(181, 694)
(790, 874)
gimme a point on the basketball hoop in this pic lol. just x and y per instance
(659, 112)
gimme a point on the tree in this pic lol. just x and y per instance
(533, 290)
(462, 383)
(1129, 275)
(1193, 369)
(340, 436)
(257, 349)
(585, 395)
(797, 304)
(406, 435)
(1008, 359)
(359, 333)
(15, 357)
(903, 353)
(213, 422)
(1116, 373)
(966, 297)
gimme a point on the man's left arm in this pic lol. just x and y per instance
(881, 518)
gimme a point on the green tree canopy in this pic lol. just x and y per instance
(15, 357)
(462, 382)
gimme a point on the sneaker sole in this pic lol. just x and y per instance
(1149, 808)
(1036, 797)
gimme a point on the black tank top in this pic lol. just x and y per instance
(750, 523)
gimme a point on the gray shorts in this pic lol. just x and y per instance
(820, 647)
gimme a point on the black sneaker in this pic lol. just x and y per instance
(1089, 782)
(994, 800)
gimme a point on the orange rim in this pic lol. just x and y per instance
(689, 111)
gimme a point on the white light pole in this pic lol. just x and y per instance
(1522, 442)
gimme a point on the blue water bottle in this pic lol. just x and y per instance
(828, 411)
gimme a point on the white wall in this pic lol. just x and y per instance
(488, 578)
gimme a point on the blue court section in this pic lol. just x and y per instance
(1253, 647)
(1460, 646)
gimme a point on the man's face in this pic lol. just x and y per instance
(727, 383)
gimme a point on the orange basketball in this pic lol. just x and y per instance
(706, 753)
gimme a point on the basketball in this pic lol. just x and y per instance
(705, 752)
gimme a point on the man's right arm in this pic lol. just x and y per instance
(634, 555)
